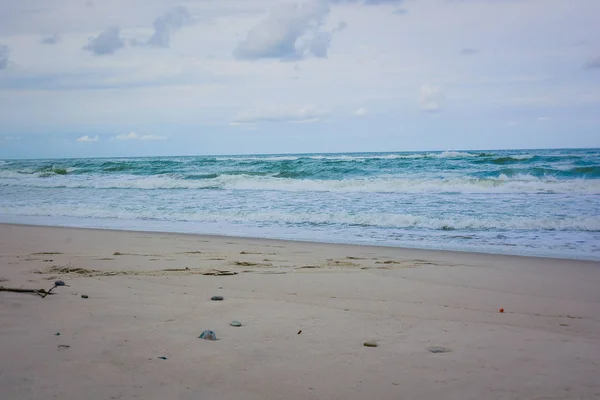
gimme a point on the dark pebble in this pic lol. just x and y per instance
(59, 283)
(84, 296)
(208, 335)
(438, 350)
(216, 298)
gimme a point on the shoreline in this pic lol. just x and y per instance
(252, 238)
(306, 311)
(382, 246)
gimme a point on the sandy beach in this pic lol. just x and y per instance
(306, 311)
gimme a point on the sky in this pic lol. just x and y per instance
(87, 78)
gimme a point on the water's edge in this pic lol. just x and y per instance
(147, 230)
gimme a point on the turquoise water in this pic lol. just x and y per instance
(530, 202)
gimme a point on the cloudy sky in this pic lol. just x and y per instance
(166, 77)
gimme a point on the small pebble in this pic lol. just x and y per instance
(235, 323)
(163, 358)
(84, 296)
(439, 349)
(208, 335)
(371, 343)
(57, 334)
(59, 283)
(216, 298)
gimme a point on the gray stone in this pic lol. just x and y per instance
(216, 298)
(208, 335)
(235, 323)
(84, 296)
(371, 343)
(437, 349)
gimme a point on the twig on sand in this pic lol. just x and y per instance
(41, 292)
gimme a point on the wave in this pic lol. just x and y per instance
(353, 157)
(320, 165)
(453, 154)
(377, 220)
(516, 183)
(591, 172)
(42, 172)
(510, 160)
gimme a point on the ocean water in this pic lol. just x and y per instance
(528, 202)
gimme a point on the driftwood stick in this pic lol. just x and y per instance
(41, 292)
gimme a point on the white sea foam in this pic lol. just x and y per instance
(453, 154)
(503, 184)
(373, 220)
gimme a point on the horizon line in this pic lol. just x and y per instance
(306, 153)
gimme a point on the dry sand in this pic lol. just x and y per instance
(546, 345)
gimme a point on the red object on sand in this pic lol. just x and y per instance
(501, 310)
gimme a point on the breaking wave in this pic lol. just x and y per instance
(504, 183)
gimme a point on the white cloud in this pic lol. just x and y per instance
(301, 115)
(87, 138)
(291, 31)
(135, 136)
(107, 42)
(544, 118)
(361, 112)
(432, 98)
(167, 24)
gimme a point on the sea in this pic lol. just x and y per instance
(525, 202)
